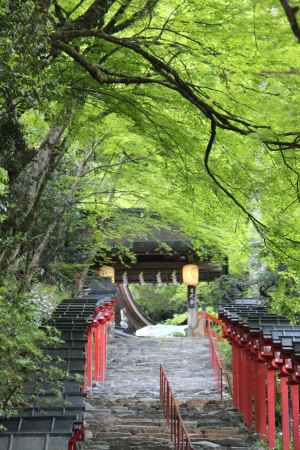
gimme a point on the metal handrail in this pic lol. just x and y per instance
(217, 363)
(213, 320)
(179, 434)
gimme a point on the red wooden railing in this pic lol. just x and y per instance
(260, 376)
(213, 328)
(95, 359)
(179, 434)
(77, 436)
(210, 322)
(96, 346)
(217, 365)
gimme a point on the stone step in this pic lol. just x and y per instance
(107, 425)
(131, 423)
(207, 445)
(134, 431)
(125, 411)
(133, 436)
(215, 425)
(125, 444)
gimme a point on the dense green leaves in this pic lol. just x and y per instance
(133, 87)
(21, 354)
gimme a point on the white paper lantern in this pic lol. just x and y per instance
(107, 272)
(190, 274)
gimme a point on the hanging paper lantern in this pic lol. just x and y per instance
(107, 272)
(190, 274)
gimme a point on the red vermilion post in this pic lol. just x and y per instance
(85, 369)
(252, 386)
(263, 417)
(72, 443)
(101, 369)
(100, 351)
(239, 377)
(234, 374)
(248, 387)
(104, 349)
(257, 394)
(96, 352)
(271, 409)
(284, 392)
(242, 383)
(89, 359)
(103, 327)
(295, 415)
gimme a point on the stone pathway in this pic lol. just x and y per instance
(215, 424)
(133, 368)
(124, 412)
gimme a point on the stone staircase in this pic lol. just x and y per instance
(215, 425)
(124, 412)
(127, 425)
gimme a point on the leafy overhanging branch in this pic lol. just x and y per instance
(93, 26)
(100, 74)
(174, 81)
(260, 227)
(223, 119)
(213, 134)
(94, 17)
(147, 9)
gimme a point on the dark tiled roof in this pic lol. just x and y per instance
(49, 422)
(253, 320)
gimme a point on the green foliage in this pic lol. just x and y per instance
(45, 298)
(177, 319)
(160, 302)
(223, 290)
(21, 354)
(155, 130)
(224, 349)
(285, 294)
(113, 106)
(263, 445)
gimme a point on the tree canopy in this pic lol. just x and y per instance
(189, 109)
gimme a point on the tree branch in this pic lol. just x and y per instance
(94, 16)
(213, 133)
(143, 12)
(101, 75)
(109, 27)
(224, 120)
(291, 14)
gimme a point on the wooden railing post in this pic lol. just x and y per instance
(295, 414)
(90, 359)
(178, 432)
(284, 392)
(271, 409)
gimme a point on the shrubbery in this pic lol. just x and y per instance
(21, 348)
